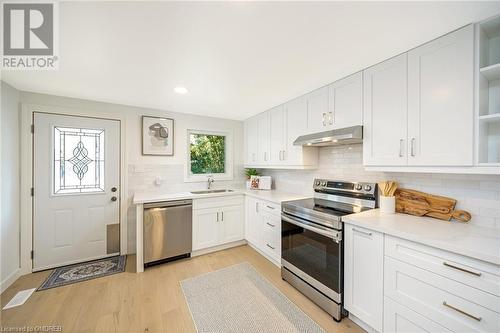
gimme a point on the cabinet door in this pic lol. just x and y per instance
(346, 101)
(263, 131)
(231, 224)
(296, 125)
(440, 101)
(277, 135)
(364, 273)
(319, 118)
(252, 220)
(205, 228)
(385, 113)
(251, 141)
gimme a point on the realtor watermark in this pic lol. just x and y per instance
(30, 35)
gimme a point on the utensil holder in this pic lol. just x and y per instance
(387, 205)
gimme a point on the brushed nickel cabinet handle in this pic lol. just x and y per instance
(461, 311)
(331, 118)
(324, 118)
(412, 147)
(256, 207)
(270, 207)
(362, 232)
(269, 224)
(461, 269)
(269, 246)
(222, 216)
(217, 216)
(401, 141)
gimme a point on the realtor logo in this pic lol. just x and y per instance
(29, 36)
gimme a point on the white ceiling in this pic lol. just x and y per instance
(236, 58)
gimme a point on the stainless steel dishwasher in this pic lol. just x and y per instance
(167, 230)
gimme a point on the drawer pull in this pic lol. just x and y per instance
(269, 224)
(362, 232)
(462, 311)
(269, 207)
(461, 269)
(269, 246)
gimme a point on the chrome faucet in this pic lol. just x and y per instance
(210, 181)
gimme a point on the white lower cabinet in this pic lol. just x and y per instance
(395, 285)
(217, 221)
(364, 274)
(263, 227)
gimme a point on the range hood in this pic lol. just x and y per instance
(337, 137)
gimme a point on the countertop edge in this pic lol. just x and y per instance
(442, 245)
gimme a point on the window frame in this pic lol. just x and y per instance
(189, 177)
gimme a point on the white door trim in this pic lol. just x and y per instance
(27, 113)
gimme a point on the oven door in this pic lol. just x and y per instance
(314, 253)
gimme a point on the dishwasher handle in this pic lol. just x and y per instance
(166, 204)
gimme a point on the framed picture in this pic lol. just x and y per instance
(157, 136)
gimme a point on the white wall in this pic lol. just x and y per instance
(10, 185)
(478, 194)
(142, 170)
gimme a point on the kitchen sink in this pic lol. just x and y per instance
(210, 191)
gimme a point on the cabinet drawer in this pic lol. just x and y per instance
(400, 319)
(222, 201)
(271, 208)
(449, 303)
(271, 236)
(475, 273)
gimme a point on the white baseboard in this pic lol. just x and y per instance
(9, 280)
(218, 248)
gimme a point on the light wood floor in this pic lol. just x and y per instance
(149, 302)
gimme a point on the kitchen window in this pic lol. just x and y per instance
(209, 153)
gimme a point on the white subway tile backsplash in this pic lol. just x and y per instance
(478, 194)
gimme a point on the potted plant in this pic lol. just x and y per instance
(249, 172)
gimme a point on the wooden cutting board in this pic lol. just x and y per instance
(423, 204)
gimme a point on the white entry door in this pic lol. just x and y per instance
(76, 177)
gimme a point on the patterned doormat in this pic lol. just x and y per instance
(84, 271)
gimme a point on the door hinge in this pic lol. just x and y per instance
(32, 128)
(32, 254)
(32, 191)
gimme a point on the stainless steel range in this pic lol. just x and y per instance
(311, 239)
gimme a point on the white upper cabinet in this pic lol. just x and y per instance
(296, 125)
(263, 131)
(277, 136)
(385, 113)
(346, 101)
(251, 141)
(319, 117)
(440, 101)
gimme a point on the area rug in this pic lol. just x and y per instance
(84, 271)
(239, 299)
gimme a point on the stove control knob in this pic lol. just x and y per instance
(317, 183)
(359, 187)
(323, 184)
(368, 188)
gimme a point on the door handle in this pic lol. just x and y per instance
(401, 141)
(222, 216)
(114, 199)
(462, 311)
(269, 246)
(269, 224)
(412, 147)
(324, 118)
(461, 269)
(217, 216)
(331, 118)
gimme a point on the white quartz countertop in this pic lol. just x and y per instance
(463, 238)
(268, 195)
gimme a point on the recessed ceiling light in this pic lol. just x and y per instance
(180, 90)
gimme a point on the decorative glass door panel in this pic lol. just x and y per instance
(78, 160)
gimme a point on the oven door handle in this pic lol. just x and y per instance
(317, 229)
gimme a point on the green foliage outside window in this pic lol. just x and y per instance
(208, 153)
